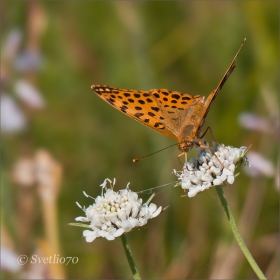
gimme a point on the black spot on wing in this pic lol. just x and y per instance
(123, 109)
(110, 100)
(155, 109)
(138, 115)
(176, 96)
(159, 125)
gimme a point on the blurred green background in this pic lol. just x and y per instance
(183, 46)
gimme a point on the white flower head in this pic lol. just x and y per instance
(115, 213)
(209, 170)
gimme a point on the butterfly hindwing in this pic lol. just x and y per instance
(176, 107)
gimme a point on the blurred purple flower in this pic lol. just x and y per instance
(259, 165)
(9, 260)
(255, 122)
(28, 61)
(29, 94)
(12, 119)
(12, 44)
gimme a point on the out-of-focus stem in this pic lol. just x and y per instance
(237, 235)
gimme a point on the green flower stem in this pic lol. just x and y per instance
(237, 235)
(129, 257)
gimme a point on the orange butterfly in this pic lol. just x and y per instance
(172, 113)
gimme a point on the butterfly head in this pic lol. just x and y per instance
(188, 143)
(185, 145)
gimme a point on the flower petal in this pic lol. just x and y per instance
(82, 219)
(157, 212)
(118, 232)
(126, 226)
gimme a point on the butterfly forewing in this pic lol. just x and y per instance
(139, 105)
(214, 93)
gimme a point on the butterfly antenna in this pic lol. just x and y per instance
(243, 42)
(137, 159)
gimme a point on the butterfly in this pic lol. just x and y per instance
(177, 115)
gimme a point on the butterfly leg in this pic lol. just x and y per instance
(186, 157)
(209, 128)
(212, 137)
(213, 153)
